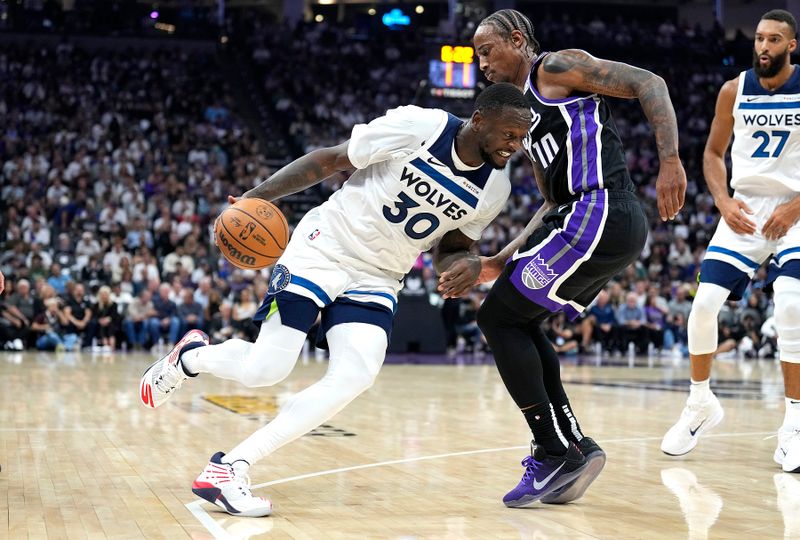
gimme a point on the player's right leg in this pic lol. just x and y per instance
(554, 461)
(703, 410)
(730, 262)
(266, 362)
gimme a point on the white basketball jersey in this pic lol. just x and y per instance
(409, 190)
(766, 145)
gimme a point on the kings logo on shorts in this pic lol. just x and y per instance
(536, 274)
(280, 279)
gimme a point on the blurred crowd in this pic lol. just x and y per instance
(115, 163)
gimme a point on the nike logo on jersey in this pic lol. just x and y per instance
(539, 485)
(793, 402)
(434, 161)
(693, 431)
(750, 99)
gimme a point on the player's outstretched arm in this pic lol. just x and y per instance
(573, 69)
(733, 210)
(303, 173)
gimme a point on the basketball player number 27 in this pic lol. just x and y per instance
(761, 151)
(419, 225)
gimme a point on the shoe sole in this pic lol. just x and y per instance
(215, 496)
(779, 460)
(597, 462)
(558, 484)
(145, 387)
(708, 426)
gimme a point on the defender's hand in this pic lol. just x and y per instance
(670, 188)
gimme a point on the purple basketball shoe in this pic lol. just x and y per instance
(595, 461)
(544, 474)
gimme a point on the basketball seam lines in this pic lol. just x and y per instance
(233, 236)
(248, 214)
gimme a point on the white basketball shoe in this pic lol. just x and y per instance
(697, 418)
(166, 375)
(228, 486)
(787, 455)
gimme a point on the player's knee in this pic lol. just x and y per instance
(268, 369)
(787, 318)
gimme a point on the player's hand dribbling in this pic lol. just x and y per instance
(231, 200)
(734, 213)
(670, 188)
(782, 219)
(466, 273)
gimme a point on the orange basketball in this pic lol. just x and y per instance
(251, 234)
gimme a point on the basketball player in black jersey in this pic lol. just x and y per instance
(590, 227)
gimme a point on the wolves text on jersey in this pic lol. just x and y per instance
(432, 195)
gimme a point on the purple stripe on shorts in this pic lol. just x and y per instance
(536, 273)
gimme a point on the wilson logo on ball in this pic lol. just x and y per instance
(234, 253)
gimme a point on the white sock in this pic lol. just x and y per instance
(792, 418)
(699, 390)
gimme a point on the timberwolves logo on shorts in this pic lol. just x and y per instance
(537, 274)
(280, 279)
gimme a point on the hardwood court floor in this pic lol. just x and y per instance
(428, 452)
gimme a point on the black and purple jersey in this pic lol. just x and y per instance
(576, 143)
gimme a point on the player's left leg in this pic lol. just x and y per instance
(567, 422)
(357, 351)
(787, 321)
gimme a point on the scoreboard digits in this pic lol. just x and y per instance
(452, 72)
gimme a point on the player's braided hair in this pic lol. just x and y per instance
(508, 20)
(499, 96)
(782, 15)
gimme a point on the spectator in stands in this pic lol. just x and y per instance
(106, 320)
(57, 279)
(190, 312)
(93, 273)
(243, 310)
(27, 306)
(562, 334)
(631, 320)
(165, 320)
(600, 325)
(680, 304)
(51, 326)
(656, 316)
(78, 312)
(222, 326)
(135, 323)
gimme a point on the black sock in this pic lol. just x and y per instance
(567, 422)
(540, 420)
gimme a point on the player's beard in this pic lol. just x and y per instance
(489, 158)
(775, 65)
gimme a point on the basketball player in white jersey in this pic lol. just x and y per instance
(422, 176)
(761, 109)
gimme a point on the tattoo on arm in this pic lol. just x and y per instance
(302, 173)
(582, 71)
